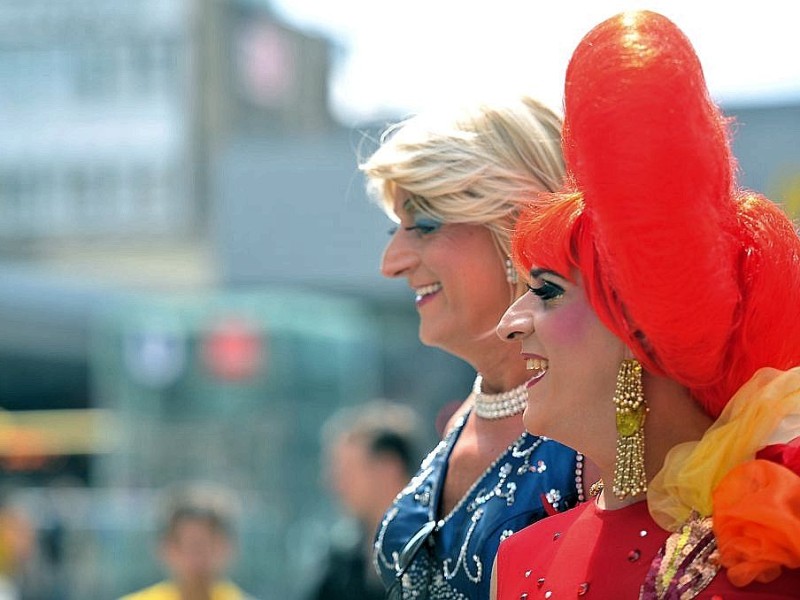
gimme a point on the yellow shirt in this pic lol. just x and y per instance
(168, 591)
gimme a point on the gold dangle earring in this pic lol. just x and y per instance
(629, 475)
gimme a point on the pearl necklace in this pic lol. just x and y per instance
(499, 406)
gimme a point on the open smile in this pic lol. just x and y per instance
(539, 367)
(426, 292)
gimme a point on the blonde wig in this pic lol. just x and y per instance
(479, 165)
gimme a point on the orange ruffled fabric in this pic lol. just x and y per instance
(757, 521)
(754, 501)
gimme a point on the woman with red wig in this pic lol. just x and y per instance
(663, 333)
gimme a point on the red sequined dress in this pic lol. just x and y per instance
(588, 553)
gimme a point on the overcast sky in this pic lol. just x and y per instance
(411, 55)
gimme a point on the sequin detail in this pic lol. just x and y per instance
(473, 575)
(686, 564)
(579, 477)
(458, 563)
(553, 497)
(507, 533)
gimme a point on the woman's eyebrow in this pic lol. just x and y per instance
(536, 273)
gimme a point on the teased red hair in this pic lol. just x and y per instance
(700, 279)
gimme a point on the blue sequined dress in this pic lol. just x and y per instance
(456, 560)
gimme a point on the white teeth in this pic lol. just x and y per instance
(536, 364)
(428, 289)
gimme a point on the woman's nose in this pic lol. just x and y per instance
(399, 256)
(517, 322)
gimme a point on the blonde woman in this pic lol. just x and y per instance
(454, 185)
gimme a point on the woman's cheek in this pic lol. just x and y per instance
(569, 326)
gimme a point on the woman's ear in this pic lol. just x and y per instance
(644, 343)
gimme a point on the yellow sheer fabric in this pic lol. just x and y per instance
(765, 410)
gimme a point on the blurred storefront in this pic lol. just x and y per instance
(228, 388)
(142, 341)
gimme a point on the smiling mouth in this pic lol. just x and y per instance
(539, 367)
(427, 290)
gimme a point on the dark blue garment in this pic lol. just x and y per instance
(456, 561)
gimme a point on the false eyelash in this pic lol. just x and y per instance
(546, 291)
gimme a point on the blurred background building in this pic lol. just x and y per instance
(189, 278)
(188, 282)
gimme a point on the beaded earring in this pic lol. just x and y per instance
(511, 272)
(629, 474)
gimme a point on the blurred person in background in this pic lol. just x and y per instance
(371, 452)
(454, 184)
(197, 546)
(17, 551)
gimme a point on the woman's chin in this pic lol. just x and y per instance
(443, 338)
(536, 420)
(531, 421)
(427, 339)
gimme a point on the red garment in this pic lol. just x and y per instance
(604, 554)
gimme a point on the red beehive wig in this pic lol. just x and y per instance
(699, 278)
